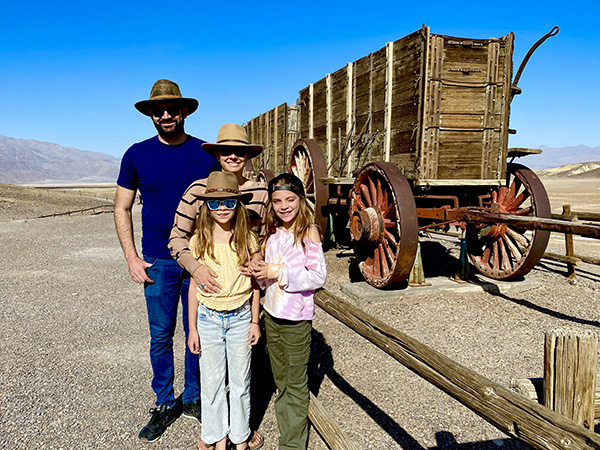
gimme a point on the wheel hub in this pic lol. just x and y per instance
(366, 225)
(498, 230)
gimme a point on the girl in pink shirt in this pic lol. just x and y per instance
(292, 269)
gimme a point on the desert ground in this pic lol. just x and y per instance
(75, 372)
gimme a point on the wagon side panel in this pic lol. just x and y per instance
(466, 111)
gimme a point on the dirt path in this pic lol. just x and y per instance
(75, 371)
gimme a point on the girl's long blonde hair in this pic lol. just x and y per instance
(241, 238)
(303, 222)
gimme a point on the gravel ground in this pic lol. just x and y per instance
(75, 372)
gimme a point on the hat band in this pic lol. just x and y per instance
(232, 191)
(232, 140)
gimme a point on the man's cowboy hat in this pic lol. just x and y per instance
(233, 135)
(223, 185)
(165, 91)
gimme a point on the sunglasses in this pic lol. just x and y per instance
(229, 203)
(226, 151)
(158, 111)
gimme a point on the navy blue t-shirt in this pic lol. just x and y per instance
(162, 173)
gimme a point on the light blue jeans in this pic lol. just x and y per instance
(225, 355)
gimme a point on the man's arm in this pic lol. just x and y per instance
(124, 224)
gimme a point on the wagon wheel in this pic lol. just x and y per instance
(503, 252)
(383, 224)
(308, 163)
(264, 176)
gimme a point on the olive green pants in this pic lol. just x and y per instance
(289, 350)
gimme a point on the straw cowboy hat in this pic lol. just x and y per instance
(166, 91)
(232, 135)
(223, 185)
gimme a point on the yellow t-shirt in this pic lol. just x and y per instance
(236, 288)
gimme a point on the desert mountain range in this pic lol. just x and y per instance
(24, 161)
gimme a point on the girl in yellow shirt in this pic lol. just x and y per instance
(224, 325)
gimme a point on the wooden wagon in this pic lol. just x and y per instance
(412, 136)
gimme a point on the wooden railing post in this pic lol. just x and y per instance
(569, 241)
(570, 361)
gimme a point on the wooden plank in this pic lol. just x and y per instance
(516, 416)
(330, 431)
(389, 80)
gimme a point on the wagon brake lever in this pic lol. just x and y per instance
(553, 32)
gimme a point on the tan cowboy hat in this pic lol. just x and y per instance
(232, 135)
(166, 91)
(223, 185)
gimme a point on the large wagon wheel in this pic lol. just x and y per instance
(308, 163)
(506, 252)
(383, 224)
(264, 176)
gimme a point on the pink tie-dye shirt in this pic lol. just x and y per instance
(290, 296)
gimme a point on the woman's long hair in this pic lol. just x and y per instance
(240, 240)
(303, 222)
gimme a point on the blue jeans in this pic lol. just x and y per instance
(225, 352)
(171, 282)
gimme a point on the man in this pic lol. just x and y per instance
(161, 168)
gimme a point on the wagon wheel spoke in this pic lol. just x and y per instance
(514, 250)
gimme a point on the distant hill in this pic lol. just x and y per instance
(580, 170)
(27, 161)
(560, 156)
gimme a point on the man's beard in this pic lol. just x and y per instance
(175, 131)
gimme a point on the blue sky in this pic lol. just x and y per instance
(71, 71)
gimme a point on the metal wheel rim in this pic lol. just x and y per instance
(502, 252)
(381, 191)
(308, 163)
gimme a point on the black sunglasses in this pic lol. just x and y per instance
(158, 111)
(237, 151)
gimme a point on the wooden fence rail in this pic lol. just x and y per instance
(107, 208)
(508, 411)
(571, 258)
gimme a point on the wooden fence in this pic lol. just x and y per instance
(512, 413)
(571, 258)
(107, 208)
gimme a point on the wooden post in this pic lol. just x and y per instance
(570, 360)
(569, 241)
(533, 389)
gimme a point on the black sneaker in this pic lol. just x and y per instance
(162, 417)
(193, 410)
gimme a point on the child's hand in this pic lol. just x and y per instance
(245, 270)
(194, 342)
(254, 334)
(259, 269)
